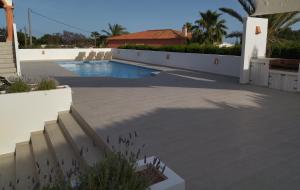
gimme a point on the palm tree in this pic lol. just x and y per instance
(115, 30)
(189, 26)
(95, 36)
(277, 22)
(211, 27)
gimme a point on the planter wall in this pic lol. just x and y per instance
(22, 113)
(173, 181)
(55, 54)
(217, 64)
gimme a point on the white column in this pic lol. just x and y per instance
(254, 44)
(16, 46)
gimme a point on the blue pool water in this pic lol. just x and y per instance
(108, 69)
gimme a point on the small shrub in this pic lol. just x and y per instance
(117, 170)
(47, 84)
(19, 86)
(114, 172)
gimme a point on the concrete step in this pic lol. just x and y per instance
(8, 70)
(45, 163)
(7, 171)
(6, 44)
(5, 52)
(8, 55)
(6, 61)
(26, 178)
(6, 47)
(3, 66)
(89, 130)
(69, 163)
(83, 145)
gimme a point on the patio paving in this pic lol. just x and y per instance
(212, 131)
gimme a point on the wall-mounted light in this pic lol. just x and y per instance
(257, 30)
(168, 56)
(216, 61)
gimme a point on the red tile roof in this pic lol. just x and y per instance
(151, 34)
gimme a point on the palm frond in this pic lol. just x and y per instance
(106, 32)
(293, 19)
(247, 6)
(235, 34)
(232, 13)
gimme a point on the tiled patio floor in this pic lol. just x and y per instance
(212, 131)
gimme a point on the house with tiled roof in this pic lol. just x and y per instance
(151, 38)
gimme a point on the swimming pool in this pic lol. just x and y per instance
(108, 69)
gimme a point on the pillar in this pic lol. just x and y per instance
(9, 22)
(254, 44)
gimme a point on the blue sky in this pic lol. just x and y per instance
(135, 15)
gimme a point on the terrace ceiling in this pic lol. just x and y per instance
(276, 6)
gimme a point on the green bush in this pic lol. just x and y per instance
(287, 50)
(114, 172)
(47, 84)
(19, 86)
(191, 48)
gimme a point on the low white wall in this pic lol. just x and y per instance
(22, 113)
(55, 54)
(227, 65)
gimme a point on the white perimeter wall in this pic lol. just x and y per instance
(254, 45)
(23, 113)
(228, 65)
(55, 54)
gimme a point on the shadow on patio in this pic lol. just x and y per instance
(221, 146)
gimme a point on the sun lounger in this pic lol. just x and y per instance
(108, 56)
(99, 56)
(80, 56)
(91, 56)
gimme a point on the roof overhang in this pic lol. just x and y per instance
(264, 7)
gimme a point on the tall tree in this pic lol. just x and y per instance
(115, 30)
(210, 29)
(189, 26)
(277, 22)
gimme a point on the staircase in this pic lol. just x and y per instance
(7, 60)
(64, 149)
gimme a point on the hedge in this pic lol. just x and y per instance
(278, 51)
(192, 48)
(288, 52)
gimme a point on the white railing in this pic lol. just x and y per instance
(16, 48)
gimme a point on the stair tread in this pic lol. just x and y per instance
(63, 151)
(11, 65)
(7, 171)
(7, 70)
(45, 164)
(82, 143)
(25, 170)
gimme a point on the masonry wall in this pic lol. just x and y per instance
(55, 54)
(218, 64)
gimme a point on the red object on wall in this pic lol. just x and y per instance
(151, 38)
